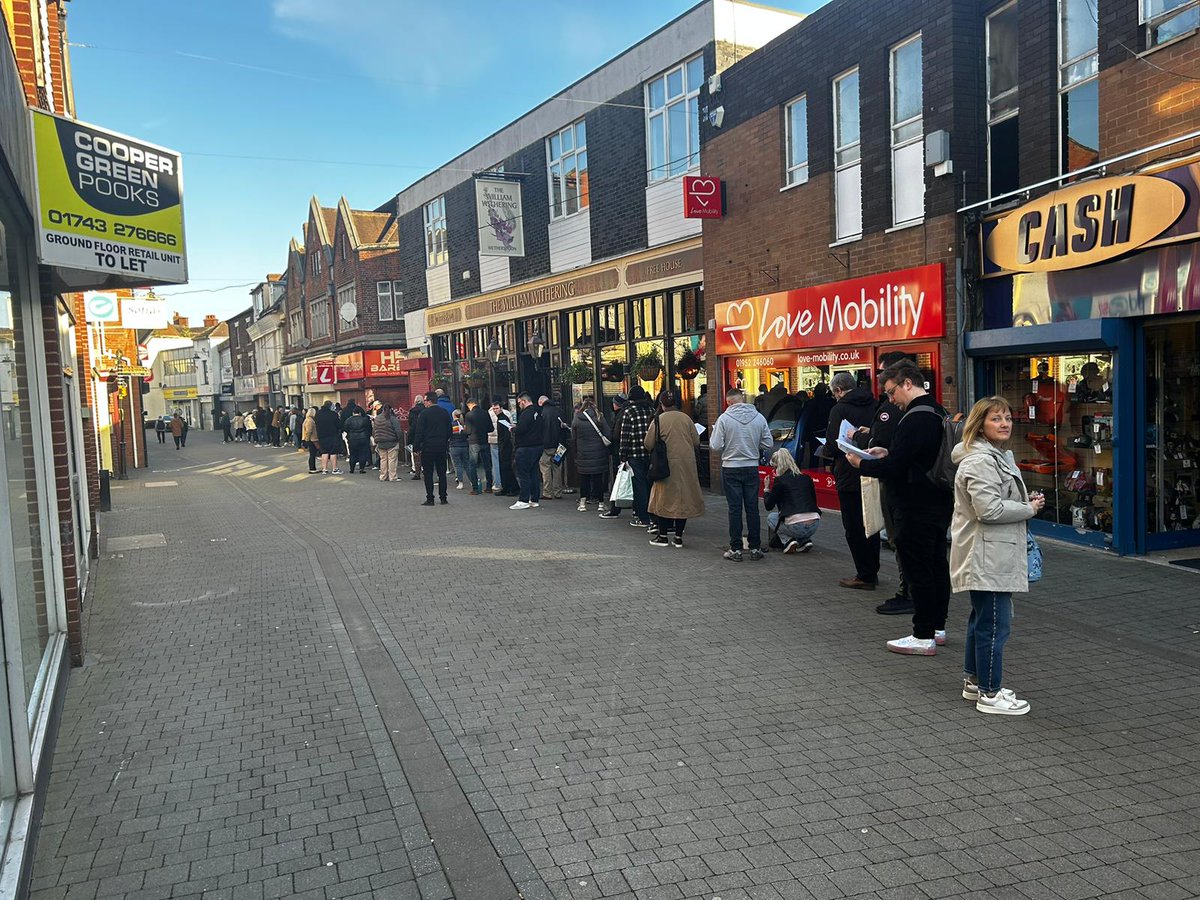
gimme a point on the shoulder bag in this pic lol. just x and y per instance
(607, 442)
(660, 465)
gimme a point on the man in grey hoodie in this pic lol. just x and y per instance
(741, 436)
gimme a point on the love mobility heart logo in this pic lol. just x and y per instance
(739, 317)
(702, 189)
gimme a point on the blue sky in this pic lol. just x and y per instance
(272, 101)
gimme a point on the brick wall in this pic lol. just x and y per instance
(463, 239)
(617, 175)
(412, 260)
(87, 394)
(1140, 104)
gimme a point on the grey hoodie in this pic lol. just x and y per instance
(741, 436)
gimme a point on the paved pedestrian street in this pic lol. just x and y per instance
(311, 686)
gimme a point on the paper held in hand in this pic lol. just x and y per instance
(850, 450)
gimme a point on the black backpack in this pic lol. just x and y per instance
(944, 467)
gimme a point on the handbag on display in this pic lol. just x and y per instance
(660, 464)
(872, 505)
(1033, 554)
(622, 489)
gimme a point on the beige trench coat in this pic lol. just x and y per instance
(677, 497)
(987, 533)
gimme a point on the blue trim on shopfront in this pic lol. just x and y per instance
(1125, 338)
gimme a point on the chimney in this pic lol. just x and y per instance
(179, 320)
(211, 321)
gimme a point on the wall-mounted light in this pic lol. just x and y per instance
(537, 345)
(493, 351)
(716, 118)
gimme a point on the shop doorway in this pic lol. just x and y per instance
(1172, 436)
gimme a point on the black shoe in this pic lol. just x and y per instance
(896, 606)
(416, 478)
(444, 501)
(611, 514)
(427, 502)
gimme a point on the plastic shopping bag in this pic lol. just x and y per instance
(622, 490)
(872, 504)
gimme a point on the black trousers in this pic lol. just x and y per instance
(312, 456)
(434, 461)
(162, 436)
(921, 547)
(666, 526)
(863, 549)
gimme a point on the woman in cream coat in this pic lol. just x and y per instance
(988, 552)
(676, 498)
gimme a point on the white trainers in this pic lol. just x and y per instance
(534, 504)
(458, 486)
(582, 507)
(939, 637)
(520, 504)
(913, 646)
(1005, 703)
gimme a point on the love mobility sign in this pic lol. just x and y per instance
(702, 198)
(896, 306)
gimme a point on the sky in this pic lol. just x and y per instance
(273, 101)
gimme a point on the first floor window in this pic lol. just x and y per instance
(673, 120)
(347, 307)
(319, 312)
(1080, 126)
(908, 133)
(797, 141)
(567, 156)
(296, 326)
(387, 303)
(436, 250)
(847, 179)
(1168, 19)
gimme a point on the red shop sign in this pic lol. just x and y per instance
(701, 198)
(349, 366)
(386, 363)
(895, 306)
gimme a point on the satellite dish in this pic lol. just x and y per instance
(303, 343)
(349, 311)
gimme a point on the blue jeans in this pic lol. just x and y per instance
(496, 466)
(641, 487)
(802, 532)
(461, 455)
(987, 631)
(741, 492)
(480, 462)
(529, 473)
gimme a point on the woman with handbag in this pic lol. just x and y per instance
(988, 551)
(590, 440)
(675, 496)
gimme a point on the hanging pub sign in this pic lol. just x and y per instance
(887, 308)
(1084, 224)
(107, 204)
(498, 213)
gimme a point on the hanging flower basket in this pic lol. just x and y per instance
(578, 373)
(613, 372)
(476, 378)
(688, 365)
(649, 366)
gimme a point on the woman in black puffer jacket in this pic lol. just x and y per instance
(590, 437)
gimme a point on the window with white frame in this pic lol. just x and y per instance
(387, 298)
(847, 153)
(314, 262)
(796, 122)
(566, 153)
(436, 252)
(296, 327)
(673, 120)
(1004, 173)
(1079, 90)
(319, 315)
(1166, 20)
(345, 300)
(908, 133)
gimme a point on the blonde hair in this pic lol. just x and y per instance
(784, 462)
(978, 415)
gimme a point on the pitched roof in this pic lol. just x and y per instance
(325, 219)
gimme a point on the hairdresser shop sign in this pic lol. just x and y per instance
(108, 204)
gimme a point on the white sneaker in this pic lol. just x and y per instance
(582, 507)
(939, 637)
(912, 646)
(1005, 703)
(458, 486)
(533, 504)
(520, 504)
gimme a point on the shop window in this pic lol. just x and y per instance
(579, 328)
(648, 321)
(610, 322)
(1063, 426)
(673, 120)
(1172, 428)
(796, 118)
(908, 133)
(687, 365)
(1166, 20)
(687, 313)
(847, 186)
(566, 154)
(1003, 105)
(1078, 64)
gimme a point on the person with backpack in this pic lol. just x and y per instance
(855, 405)
(386, 432)
(552, 471)
(921, 508)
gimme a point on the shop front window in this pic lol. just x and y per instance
(1172, 427)
(687, 361)
(649, 366)
(1062, 440)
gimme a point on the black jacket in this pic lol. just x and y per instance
(528, 432)
(480, 421)
(357, 428)
(793, 494)
(432, 432)
(857, 408)
(329, 430)
(553, 424)
(887, 417)
(914, 447)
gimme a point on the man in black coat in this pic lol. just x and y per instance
(432, 437)
(552, 473)
(357, 428)
(479, 426)
(887, 417)
(529, 436)
(921, 510)
(857, 406)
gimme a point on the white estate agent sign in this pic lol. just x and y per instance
(108, 203)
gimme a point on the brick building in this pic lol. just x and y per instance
(566, 258)
(1082, 267)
